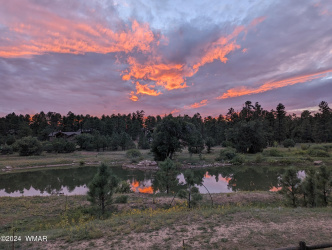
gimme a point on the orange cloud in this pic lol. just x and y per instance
(174, 111)
(256, 21)
(170, 76)
(144, 89)
(219, 49)
(240, 91)
(217, 52)
(59, 35)
(198, 104)
(224, 45)
(133, 97)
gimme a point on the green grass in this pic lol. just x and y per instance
(260, 222)
(76, 159)
(279, 156)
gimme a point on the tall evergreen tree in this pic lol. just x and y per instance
(102, 187)
(290, 184)
(280, 123)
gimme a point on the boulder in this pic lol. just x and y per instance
(147, 163)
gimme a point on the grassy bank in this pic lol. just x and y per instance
(243, 220)
(303, 155)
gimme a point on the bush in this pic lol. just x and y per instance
(327, 147)
(238, 160)
(274, 152)
(10, 140)
(133, 154)
(48, 147)
(124, 187)
(89, 146)
(6, 150)
(259, 158)
(288, 143)
(227, 144)
(28, 146)
(63, 146)
(305, 146)
(121, 199)
(318, 153)
(226, 154)
(69, 147)
(58, 145)
(319, 147)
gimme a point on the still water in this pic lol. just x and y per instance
(74, 181)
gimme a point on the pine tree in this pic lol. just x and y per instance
(102, 187)
(324, 182)
(290, 184)
(310, 187)
(166, 177)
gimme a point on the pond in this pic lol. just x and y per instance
(74, 181)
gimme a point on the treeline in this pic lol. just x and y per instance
(249, 131)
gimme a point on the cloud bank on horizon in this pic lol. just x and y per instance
(104, 57)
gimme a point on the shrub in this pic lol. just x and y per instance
(48, 147)
(238, 160)
(274, 152)
(259, 158)
(121, 199)
(89, 146)
(319, 147)
(29, 146)
(226, 154)
(124, 187)
(327, 147)
(63, 146)
(58, 145)
(133, 154)
(288, 143)
(318, 153)
(69, 147)
(301, 152)
(6, 150)
(286, 162)
(227, 144)
(305, 146)
(10, 140)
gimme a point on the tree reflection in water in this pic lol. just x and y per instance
(74, 180)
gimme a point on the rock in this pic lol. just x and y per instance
(8, 167)
(318, 162)
(147, 163)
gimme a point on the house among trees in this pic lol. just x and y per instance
(66, 135)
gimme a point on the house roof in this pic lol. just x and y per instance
(65, 133)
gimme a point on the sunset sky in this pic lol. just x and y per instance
(182, 57)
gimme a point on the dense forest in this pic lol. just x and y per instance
(249, 131)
